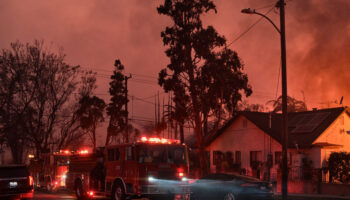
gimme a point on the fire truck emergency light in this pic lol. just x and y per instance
(83, 151)
(159, 140)
(91, 193)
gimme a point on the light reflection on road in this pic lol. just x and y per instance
(58, 195)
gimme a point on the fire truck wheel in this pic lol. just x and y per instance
(118, 192)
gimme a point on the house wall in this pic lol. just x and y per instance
(244, 139)
(336, 133)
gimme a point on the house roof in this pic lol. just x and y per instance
(303, 127)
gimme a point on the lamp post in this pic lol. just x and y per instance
(284, 141)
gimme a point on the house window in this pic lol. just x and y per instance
(229, 157)
(207, 153)
(278, 157)
(238, 157)
(245, 123)
(255, 156)
(217, 157)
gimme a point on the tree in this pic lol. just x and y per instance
(293, 105)
(116, 108)
(339, 167)
(203, 74)
(245, 106)
(36, 90)
(70, 132)
(91, 114)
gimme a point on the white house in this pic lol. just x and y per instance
(251, 140)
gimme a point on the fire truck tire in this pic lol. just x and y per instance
(118, 192)
(79, 191)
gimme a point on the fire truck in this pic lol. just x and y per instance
(50, 171)
(151, 168)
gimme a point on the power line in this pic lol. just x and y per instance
(136, 98)
(111, 71)
(249, 28)
(266, 6)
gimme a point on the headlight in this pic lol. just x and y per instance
(184, 179)
(151, 179)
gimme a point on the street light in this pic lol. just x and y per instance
(250, 11)
(284, 141)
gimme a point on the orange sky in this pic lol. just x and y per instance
(94, 33)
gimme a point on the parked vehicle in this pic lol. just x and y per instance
(151, 168)
(15, 182)
(230, 187)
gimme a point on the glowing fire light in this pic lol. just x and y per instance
(83, 151)
(159, 140)
(31, 180)
(91, 193)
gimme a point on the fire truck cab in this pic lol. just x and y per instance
(151, 168)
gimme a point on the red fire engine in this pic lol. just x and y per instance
(150, 168)
(50, 172)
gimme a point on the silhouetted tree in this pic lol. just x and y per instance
(293, 105)
(245, 106)
(203, 74)
(116, 107)
(90, 114)
(36, 90)
(70, 132)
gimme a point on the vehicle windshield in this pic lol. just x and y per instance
(172, 154)
(11, 172)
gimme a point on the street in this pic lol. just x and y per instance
(38, 195)
(71, 196)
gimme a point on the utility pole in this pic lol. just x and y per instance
(284, 142)
(284, 132)
(126, 110)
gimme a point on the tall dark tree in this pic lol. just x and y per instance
(70, 131)
(293, 105)
(91, 114)
(116, 108)
(36, 89)
(203, 74)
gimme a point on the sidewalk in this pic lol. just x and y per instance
(313, 197)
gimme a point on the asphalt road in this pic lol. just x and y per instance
(58, 195)
(70, 196)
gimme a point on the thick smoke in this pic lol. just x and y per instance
(321, 66)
